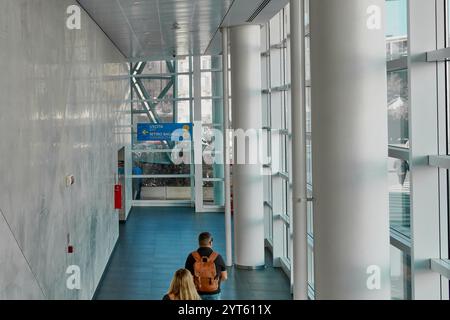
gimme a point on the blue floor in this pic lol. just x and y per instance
(154, 243)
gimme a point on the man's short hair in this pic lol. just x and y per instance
(204, 238)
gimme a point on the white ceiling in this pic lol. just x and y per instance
(155, 29)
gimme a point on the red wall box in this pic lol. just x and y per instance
(118, 196)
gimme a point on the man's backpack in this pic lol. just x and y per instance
(206, 278)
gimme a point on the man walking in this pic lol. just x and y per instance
(207, 267)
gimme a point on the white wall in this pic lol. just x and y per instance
(59, 112)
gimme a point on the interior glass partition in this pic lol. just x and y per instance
(161, 94)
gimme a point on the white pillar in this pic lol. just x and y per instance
(247, 114)
(300, 247)
(349, 142)
(226, 150)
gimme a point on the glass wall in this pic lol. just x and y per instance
(163, 92)
(396, 29)
(276, 104)
(277, 124)
(212, 121)
(400, 274)
(398, 144)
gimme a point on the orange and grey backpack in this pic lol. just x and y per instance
(206, 278)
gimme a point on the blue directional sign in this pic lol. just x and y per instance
(164, 131)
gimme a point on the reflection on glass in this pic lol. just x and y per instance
(268, 210)
(310, 266)
(163, 111)
(309, 178)
(287, 242)
(155, 87)
(398, 116)
(213, 193)
(156, 67)
(308, 109)
(212, 171)
(205, 62)
(266, 110)
(212, 141)
(400, 275)
(183, 111)
(162, 189)
(207, 111)
(157, 163)
(206, 84)
(310, 221)
(399, 195)
(307, 58)
(183, 85)
(285, 188)
(396, 29)
(183, 65)
(140, 118)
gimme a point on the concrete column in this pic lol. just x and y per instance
(300, 247)
(247, 115)
(226, 149)
(349, 142)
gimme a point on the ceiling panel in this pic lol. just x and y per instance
(239, 14)
(157, 29)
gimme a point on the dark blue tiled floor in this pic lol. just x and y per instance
(154, 243)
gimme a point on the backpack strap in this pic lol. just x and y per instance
(213, 256)
(196, 256)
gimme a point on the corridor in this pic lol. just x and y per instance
(154, 243)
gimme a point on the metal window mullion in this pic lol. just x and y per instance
(286, 219)
(213, 179)
(161, 176)
(441, 266)
(397, 64)
(197, 135)
(400, 241)
(191, 119)
(442, 79)
(442, 162)
(399, 153)
(438, 55)
(151, 151)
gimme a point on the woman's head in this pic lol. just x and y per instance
(183, 287)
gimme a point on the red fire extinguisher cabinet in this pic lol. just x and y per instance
(118, 196)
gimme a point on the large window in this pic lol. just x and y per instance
(418, 192)
(398, 144)
(277, 124)
(276, 64)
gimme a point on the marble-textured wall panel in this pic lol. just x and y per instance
(22, 282)
(62, 107)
